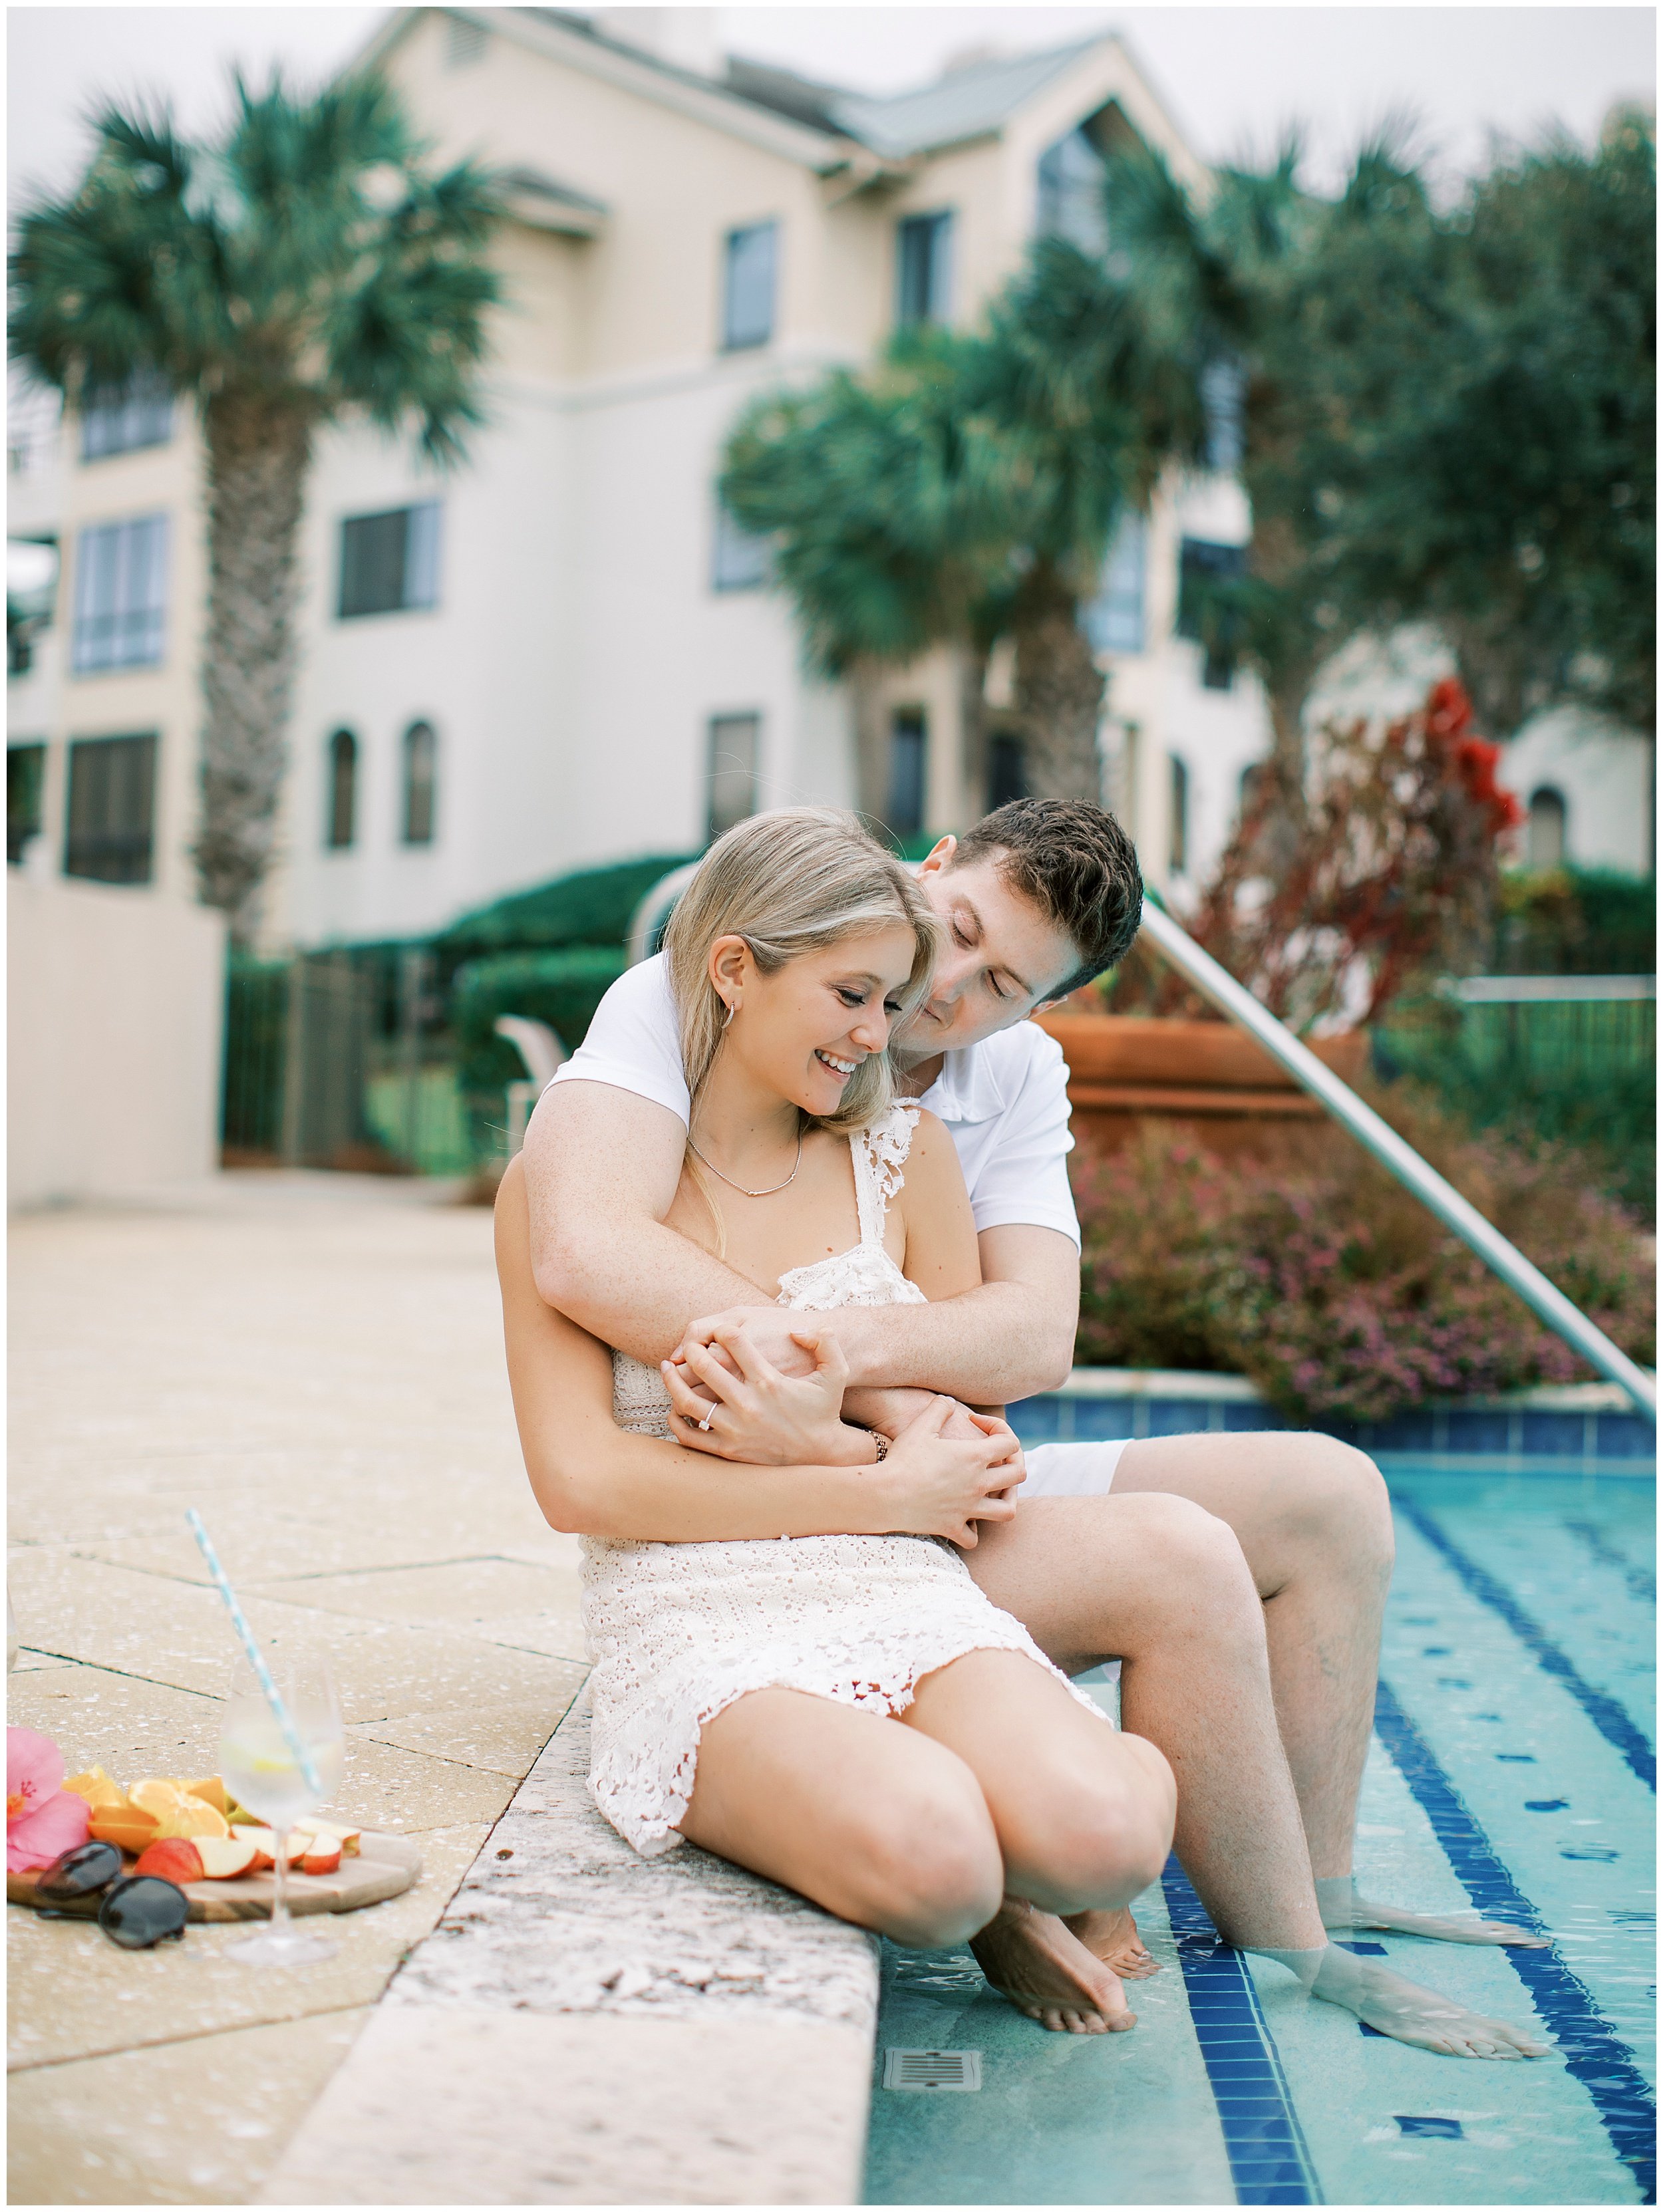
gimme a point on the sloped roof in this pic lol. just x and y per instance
(964, 105)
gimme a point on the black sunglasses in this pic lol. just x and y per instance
(134, 1911)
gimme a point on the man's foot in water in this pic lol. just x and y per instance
(1342, 1910)
(1410, 2014)
(1113, 1938)
(1036, 1964)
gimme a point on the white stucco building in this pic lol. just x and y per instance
(559, 654)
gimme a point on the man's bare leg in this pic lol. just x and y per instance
(1313, 1522)
(1163, 1585)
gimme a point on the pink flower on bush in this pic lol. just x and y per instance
(42, 1817)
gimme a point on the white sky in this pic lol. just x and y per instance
(1231, 76)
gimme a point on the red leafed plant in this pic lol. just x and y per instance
(1384, 871)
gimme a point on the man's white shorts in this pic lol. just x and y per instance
(1071, 1470)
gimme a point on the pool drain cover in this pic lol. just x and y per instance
(932, 2070)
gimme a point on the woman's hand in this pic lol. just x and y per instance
(944, 1483)
(741, 1408)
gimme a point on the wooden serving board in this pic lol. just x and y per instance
(384, 1867)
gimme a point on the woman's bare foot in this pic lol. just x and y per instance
(1034, 1963)
(1113, 1938)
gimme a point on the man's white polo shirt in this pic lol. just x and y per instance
(1004, 1102)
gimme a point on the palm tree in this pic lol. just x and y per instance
(965, 490)
(308, 265)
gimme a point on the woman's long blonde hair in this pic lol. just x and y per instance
(789, 883)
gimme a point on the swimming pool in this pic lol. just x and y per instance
(1512, 1769)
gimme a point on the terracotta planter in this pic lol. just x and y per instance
(1125, 1069)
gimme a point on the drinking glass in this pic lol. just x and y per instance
(262, 1772)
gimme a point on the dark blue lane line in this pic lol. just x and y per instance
(1594, 2051)
(1607, 1715)
(1269, 2163)
(1641, 1580)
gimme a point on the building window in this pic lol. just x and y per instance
(25, 777)
(1072, 202)
(747, 286)
(1008, 769)
(120, 418)
(31, 598)
(120, 595)
(421, 751)
(112, 809)
(1177, 841)
(390, 562)
(739, 559)
(908, 748)
(736, 744)
(339, 829)
(923, 257)
(1223, 388)
(1204, 612)
(1545, 835)
(464, 42)
(1114, 619)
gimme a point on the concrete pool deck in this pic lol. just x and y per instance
(313, 1361)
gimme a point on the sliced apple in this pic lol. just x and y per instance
(348, 1839)
(174, 1859)
(96, 1787)
(266, 1847)
(224, 1857)
(322, 1854)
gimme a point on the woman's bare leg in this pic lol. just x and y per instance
(878, 1823)
(1084, 1816)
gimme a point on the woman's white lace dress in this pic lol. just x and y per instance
(678, 1632)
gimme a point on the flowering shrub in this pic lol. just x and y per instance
(1312, 1271)
(1384, 871)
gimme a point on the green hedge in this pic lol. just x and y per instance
(1576, 921)
(593, 908)
(562, 989)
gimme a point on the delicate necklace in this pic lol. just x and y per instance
(739, 1187)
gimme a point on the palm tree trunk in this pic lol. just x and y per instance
(257, 456)
(1059, 690)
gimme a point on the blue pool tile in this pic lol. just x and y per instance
(1546, 1804)
(1363, 2028)
(1625, 1436)
(1596, 1851)
(1560, 1436)
(1477, 1429)
(1098, 1418)
(1428, 2123)
(1179, 1417)
(1035, 1419)
(1240, 1417)
(1366, 1950)
(1517, 1758)
(1406, 1432)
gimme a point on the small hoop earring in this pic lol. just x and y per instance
(728, 1024)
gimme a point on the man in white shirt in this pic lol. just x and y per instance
(1038, 898)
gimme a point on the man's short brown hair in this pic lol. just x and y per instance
(1076, 864)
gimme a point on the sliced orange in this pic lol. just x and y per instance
(124, 1824)
(211, 1789)
(96, 1787)
(176, 1813)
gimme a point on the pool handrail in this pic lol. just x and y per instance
(1215, 984)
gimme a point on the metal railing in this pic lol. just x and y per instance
(1220, 989)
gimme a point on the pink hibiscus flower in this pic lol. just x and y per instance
(42, 1818)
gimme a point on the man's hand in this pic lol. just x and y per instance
(731, 1402)
(944, 1487)
(772, 1331)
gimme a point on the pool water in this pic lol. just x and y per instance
(1512, 1770)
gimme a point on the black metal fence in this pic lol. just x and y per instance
(343, 1059)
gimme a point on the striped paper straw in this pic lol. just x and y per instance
(256, 1658)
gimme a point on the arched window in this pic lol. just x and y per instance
(420, 769)
(1177, 857)
(343, 791)
(1544, 839)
